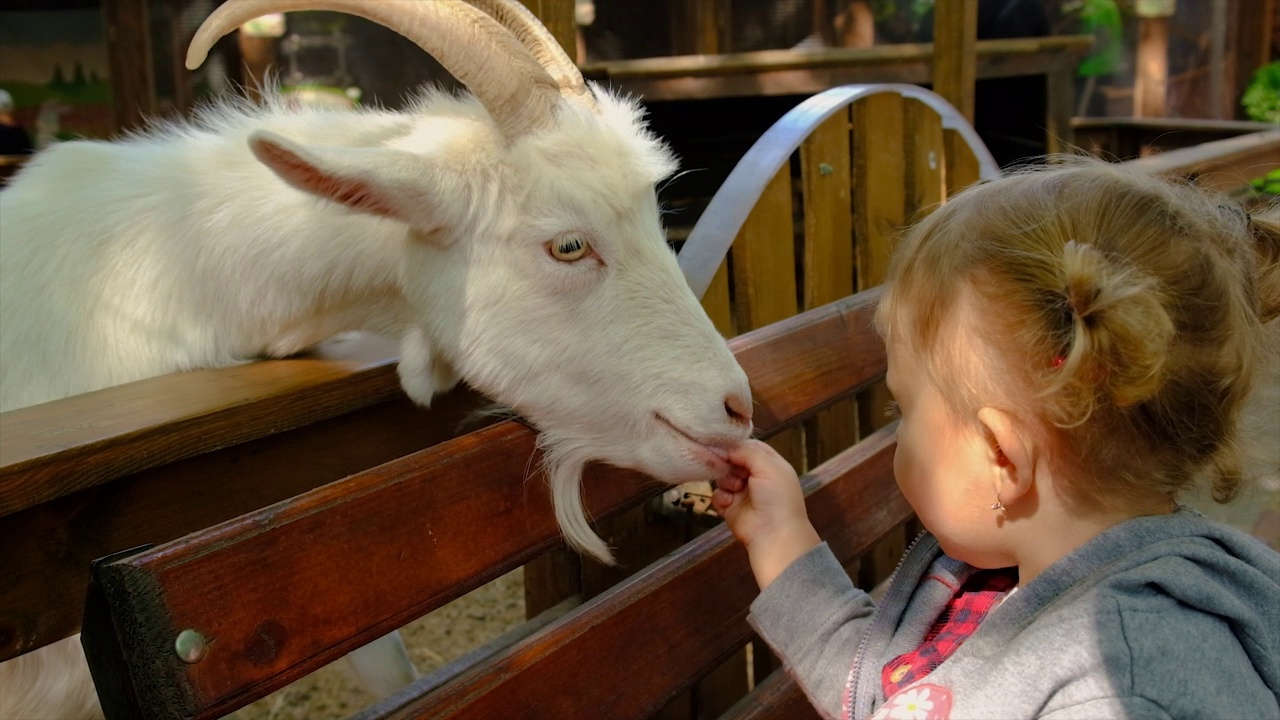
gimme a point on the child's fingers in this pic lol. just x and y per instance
(732, 483)
(722, 500)
(758, 458)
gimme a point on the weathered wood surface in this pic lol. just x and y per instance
(1224, 165)
(407, 536)
(806, 72)
(1129, 138)
(57, 448)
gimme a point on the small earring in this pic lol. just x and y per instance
(997, 505)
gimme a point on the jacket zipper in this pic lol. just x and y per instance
(855, 674)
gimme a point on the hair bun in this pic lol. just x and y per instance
(1118, 331)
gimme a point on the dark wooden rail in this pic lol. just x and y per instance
(410, 535)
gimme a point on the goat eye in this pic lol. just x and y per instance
(569, 248)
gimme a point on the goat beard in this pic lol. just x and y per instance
(563, 463)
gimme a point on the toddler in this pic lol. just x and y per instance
(1069, 349)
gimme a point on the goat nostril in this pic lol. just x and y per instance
(738, 408)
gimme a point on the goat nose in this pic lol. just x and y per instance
(738, 408)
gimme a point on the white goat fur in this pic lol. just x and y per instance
(177, 249)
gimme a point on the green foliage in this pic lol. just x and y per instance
(1261, 100)
(1268, 185)
(1100, 18)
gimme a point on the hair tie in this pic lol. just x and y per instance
(1238, 212)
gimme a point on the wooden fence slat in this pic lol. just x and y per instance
(880, 206)
(716, 302)
(828, 259)
(613, 639)
(168, 418)
(764, 269)
(924, 159)
(879, 183)
(961, 164)
(764, 258)
(48, 548)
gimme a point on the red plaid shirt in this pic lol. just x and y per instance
(959, 619)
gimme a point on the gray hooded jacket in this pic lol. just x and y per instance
(1170, 616)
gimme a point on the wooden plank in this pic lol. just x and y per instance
(828, 259)
(788, 72)
(881, 202)
(716, 302)
(764, 282)
(962, 166)
(136, 426)
(48, 547)
(1151, 83)
(128, 32)
(776, 698)
(924, 164)
(614, 639)
(764, 269)
(1221, 165)
(879, 183)
(407, 536)
(955, 66)
(558, 16)
(1060, 94)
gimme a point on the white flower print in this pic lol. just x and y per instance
(910, 705)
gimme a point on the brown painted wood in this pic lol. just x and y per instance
(407, 536)
(48, 547)
(57, 448)
(925, 162)
(955, 65)
(828, 259)
(127, 29)
(1221, 165)
(1151, 82)
(615, 639)
(776, 698)
(716, 302)
(558, 17)
(961, 166)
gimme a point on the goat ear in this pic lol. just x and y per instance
(379, 181)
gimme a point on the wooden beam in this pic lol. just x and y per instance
(558, 16)
(955, 63)
(1151, 85)
(1252, 43)
(128, 30)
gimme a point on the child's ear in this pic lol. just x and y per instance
(1012, 453)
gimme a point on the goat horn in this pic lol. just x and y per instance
(542, 45)
(479, 52)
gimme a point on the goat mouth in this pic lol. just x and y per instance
(715, 456)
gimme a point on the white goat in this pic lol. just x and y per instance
(511, 238)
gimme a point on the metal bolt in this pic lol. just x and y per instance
(825, 169)
(190, 646)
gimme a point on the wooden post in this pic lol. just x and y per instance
(558, 16)
(1151, 85)
(955, 57)
(128, 30)
(1252, 44)
(1220, 93)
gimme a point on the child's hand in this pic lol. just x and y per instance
(764, 507)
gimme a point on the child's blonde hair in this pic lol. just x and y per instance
(1118, 314)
